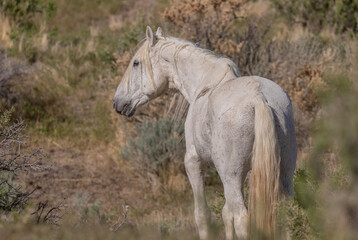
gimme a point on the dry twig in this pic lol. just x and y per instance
(121, 219)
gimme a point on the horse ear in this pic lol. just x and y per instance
(159, 32)
(150, 36)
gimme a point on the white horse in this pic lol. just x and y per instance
(237, 123)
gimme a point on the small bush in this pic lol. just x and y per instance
(342, 15)
(11, 70)
(157, 151)
(13, 161)
(337, 129)
(294, 220)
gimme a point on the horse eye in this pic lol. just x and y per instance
(135, 63)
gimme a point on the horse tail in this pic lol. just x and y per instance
(264, 180)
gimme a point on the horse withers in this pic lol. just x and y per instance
(237, 123)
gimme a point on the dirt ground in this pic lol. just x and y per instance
(94, 177)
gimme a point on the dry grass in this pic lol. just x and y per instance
(5, 31)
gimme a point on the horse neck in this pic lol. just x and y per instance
(195, 71)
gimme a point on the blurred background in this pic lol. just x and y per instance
(70, 167)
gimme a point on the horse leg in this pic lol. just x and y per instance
(288, 161)
(234, 212)
(201, 212)
(228, 219)
(231, 158)
(236, 203)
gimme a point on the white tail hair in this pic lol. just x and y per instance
(264, 180)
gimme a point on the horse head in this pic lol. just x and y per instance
(144, 78)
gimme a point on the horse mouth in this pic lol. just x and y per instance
(133, 107)
(130, 113)
(128, 110)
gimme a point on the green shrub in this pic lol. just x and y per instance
(28, 19)
(293, 220)
(157, 147)
(24, 12)
(342, 15)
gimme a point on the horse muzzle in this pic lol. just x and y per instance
(124, 108)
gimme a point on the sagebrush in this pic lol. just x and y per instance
(158, 148)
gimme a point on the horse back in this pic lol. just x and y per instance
(239, 95)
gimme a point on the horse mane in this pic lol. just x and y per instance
(182, 44)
